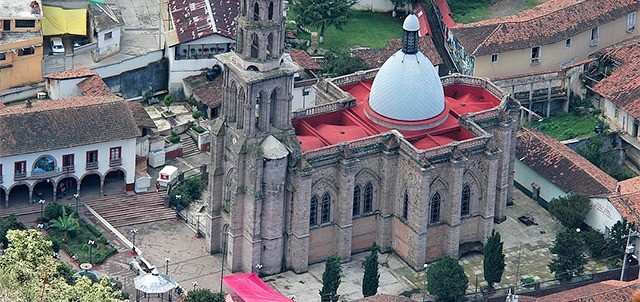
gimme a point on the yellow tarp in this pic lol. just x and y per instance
(58, 21)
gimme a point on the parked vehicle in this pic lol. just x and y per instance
(56, 45)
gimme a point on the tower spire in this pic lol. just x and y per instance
(411, 27)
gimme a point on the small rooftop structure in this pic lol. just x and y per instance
(20, 9)
(193, 19)
(105, 16)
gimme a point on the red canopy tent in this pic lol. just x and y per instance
(250, 288)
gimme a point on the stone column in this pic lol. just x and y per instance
(488, 207)
(506, 143)
(216, 187)
(419, 215)
(344, 208)
(388, 193)
(299, 233)
(451, 207)
(272, 227)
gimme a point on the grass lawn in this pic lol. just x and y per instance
(566, 126)
(366, 29)
(77, 243)
(468, 11)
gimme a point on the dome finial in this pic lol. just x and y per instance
(411, 27)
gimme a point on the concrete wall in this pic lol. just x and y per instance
(525, 176)
(136, 82)
(24, 70)
(602, 215)
(62, 89)
(555, 55)
(374, 5)
(301, 101)
(108, 46)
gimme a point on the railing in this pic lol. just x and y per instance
(19, 175)
(0, 178)
(331, 107)
(115, 162)
(68, 169)
(92, 166)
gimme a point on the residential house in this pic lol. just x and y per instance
(62, 146)
(20, 43)
(198, 30)
(538, 54)
(617, 92)
(546, 169)
(74, 83)
(206, 89)
(106, 29)
(304, 95)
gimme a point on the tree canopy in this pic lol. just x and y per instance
(322, 13)
(29, 272)
(331, 280)
(570, 210)
(446, 279)
(493, 260)
(204, 295)
(569, 260)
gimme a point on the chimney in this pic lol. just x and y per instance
(28, 104)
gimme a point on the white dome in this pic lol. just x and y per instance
(411, 23)
(407, 88)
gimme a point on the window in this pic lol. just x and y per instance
(256, 12)
(356, 201)
(631, 21)
(594, 36)
(567, 43)
(434, 205)
(25, 23)
(3, 56)
(368, 198)
(313, 211)
(255, 45)
(616, 112)
(244, 8)
(108, 35)
(92, 156)
(405, 205)
(67, 162)
(325, 216)
(305, 91)
(20, 167)
(494, 58)
(26, 51)
(115, 156)
(270, 11)
(466, 200)
(535, 55)
(6, 25)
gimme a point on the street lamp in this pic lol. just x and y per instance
(424, 294)
(195, 284)
(133, 247)
(41, 202)
(629, 249)
(90, 243)
(76, 196)
(198, 225)
(167, 260)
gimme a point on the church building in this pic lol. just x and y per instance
(421, 165)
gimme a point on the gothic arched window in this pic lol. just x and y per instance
(244, 8)
(313, 211)
(273, 102)
(434, 205)
(465, 200)
(270, 46)
(356, 201)
(256, 12)
(325, 215)
(405, 205)
(368, 198)
(270, 11)
(255, 45)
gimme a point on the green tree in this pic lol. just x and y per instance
(28, 272)
(339, 62)
(617, 240)
(570, 210)
(65, 223)
(168, 100)
(9, 223)
(204, 295)
(493, 259)
(322, 13)
(371, 278)
(569, 254)
(398, 3)
(331, 280)
(446, 279)
(605, 158)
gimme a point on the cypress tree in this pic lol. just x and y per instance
(493, 261)
(331, 280)
(371, 277)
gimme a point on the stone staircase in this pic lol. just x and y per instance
(124, 210)
(189, 147)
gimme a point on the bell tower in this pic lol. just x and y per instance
(252, 143)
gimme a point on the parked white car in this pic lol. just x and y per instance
(56, 45)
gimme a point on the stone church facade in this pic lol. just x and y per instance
(290, 189)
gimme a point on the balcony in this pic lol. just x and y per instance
(92, 166)
(0, 179)
(114, 162)
(19, 176)
(68, 169)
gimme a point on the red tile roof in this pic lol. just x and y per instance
(605, 291)
(207, 92)
(562, 166)
(374, 58)
(303, 59)
(71, 74)
(94, 86)
(544, 24)
(617, 87)
(193, 19)
(627, 202)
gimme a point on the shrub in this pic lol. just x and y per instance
(174, 138)
(204, 295)
(198, 114)
(595, 242)
(168, 100)
(198, 129)
(93, 230)
(54, 211)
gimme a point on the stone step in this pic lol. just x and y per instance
(132, 212)
(148, 219)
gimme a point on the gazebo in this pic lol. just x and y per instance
(154, 283)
